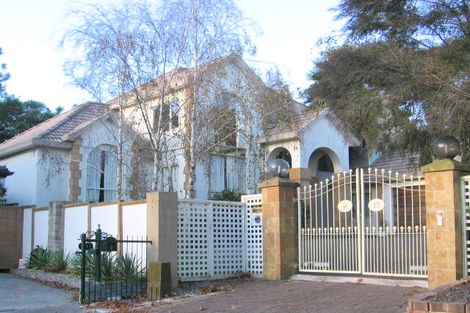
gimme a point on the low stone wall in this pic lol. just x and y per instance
(423, 303)
(437, 307)
(64, 279)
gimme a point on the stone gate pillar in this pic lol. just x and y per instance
(280, 248)
(55, 236)
(302, 176)
(444, 221)
(162, 209)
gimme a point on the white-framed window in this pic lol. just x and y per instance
(170, 116)
(101, 174)
(227, 174)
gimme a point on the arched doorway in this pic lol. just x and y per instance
(281, 153)
(323, 163)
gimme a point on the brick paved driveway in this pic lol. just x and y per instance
(295, 296)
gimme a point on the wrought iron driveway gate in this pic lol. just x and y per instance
(366, 222)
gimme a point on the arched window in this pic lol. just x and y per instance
(101, 174)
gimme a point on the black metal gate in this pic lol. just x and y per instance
(112, 269)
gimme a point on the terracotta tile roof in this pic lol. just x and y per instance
(301, 117)
(53, 129)
(398, 162)
(85, 113)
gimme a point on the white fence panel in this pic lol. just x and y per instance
(218, 239)
(27, 232)
(193, 239)
(75, 223)
(228, 229)
(465, 194)
(107, 217)
(254, 234)
(41, 228)
(134, 220)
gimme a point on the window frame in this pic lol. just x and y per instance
(104, 157)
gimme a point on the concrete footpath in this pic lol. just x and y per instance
(23, 295)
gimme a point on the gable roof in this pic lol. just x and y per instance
(53, 131)
(399, 162)
(182, 77)
(300, 118)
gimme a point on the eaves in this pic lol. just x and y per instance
(33, 143)
(276, 138)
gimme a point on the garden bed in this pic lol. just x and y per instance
(65, 280)
(453, 298)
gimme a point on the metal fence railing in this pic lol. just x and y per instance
(111, 269)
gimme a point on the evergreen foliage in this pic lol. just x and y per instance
(17, 116)
(401, 78)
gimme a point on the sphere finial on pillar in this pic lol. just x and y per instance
(278, 168)
(446, 147)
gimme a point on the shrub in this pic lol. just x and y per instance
(129, 267)
(113, 266)
(39, 258)
(58, 262)
(76, 264)
(226, 196)
(108, 265)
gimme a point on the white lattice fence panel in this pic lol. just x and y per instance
(466, 205)
(228, 234)
(193, 239)
(217, 239)
(254, 234)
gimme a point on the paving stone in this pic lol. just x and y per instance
(295, 296)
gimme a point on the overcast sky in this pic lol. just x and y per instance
(30, 30)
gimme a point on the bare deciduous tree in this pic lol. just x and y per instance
(124, 49)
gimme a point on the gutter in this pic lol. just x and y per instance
(31, 143)
(285, 136)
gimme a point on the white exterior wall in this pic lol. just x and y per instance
(33, 169)
(201, 185)
(41, 228)
(53, 175)
(179, 184)
(21, 186)
(323, 134)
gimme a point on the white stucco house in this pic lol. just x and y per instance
(72, 157)
(314, 142)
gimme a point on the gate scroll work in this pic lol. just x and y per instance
(369, 222)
